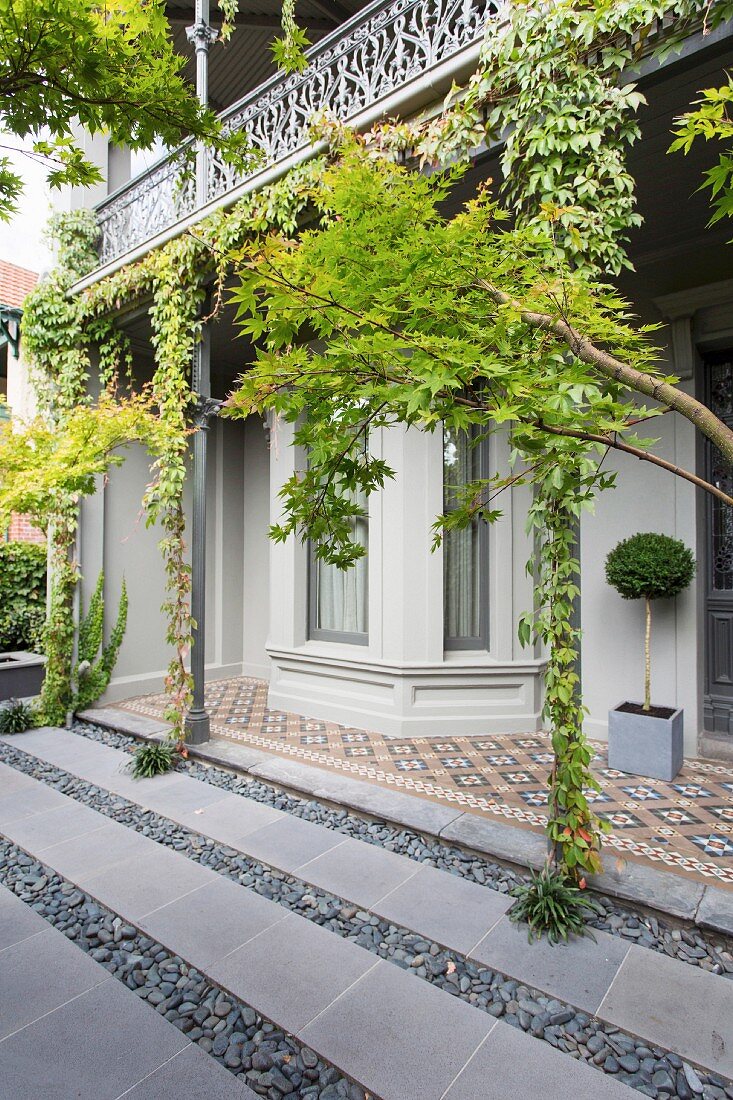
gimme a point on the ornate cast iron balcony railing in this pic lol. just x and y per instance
(381, 50)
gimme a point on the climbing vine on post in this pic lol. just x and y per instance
(548, 81)
(568, 484)
(174, 314)
(62, 331)
(461, 322)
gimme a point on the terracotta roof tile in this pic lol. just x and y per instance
(16, 283)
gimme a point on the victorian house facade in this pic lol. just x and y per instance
(414, 642)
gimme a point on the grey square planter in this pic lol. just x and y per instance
(643, 744)
(21, 674)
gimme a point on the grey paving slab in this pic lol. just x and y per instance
(96, 763)
(94, 1048)
(218, 751)
(57, 746)
(716, 910)
(360, 872)
(404, 809)
(292, 971)
(81, 857)
(28, 800)
(183, 794)
(497, 839)
(12, 781)
(680, 1007)
(39, 974)
(580, 971)
(455, 912)
(68, 821)
(290, 842)
(124, 721)
(212, 922)
(191, 1075)
(114, 776)
(18, 921)
(137, 886)
(402, 1038)
(227, 820)
(511, 1065)
(661, 890)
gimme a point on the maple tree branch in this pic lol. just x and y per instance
(693, 410)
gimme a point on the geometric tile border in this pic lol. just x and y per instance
(686, 825)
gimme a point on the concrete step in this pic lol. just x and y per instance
(69, 1029)
(402, 1038)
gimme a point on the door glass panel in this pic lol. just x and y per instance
(721, 474)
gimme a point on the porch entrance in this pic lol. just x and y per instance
(718, 563)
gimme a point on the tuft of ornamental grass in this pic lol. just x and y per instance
(153, 758)
(16, 717)
(552, 904)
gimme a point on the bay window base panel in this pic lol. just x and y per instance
(408, 701)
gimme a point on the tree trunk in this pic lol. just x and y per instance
(647, 657)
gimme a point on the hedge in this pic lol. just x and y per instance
(22, 595)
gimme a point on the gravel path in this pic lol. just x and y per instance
(271, 1062)
(650, 1070)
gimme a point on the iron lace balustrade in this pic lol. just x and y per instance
(357, 67)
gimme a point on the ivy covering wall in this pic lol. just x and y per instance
(22, 595)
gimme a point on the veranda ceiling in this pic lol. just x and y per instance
(245, 61)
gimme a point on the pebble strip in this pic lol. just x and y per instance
(271, 1062)
(650, 1070)
(713, 953)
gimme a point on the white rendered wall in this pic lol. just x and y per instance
(652, 500)
(646, 499)
(402, 682)
(20, 396)
(114, 537)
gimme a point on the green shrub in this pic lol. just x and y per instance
(16, 717)
(96, 661)
(153, 758)
(22, 595)
(552, 904)
(650, 567)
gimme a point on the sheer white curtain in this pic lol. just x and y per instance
(461, 549)
(341, 603)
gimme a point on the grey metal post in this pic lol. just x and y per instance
(198, 725)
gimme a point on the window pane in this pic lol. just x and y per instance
(462, 557)
(341, 603)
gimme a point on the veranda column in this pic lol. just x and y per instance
(197, 722)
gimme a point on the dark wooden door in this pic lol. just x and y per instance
(718, 706)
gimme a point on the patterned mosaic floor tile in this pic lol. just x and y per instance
(686, 825)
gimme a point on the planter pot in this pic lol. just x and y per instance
(645, 744)
(21, 674)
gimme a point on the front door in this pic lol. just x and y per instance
(718, 706)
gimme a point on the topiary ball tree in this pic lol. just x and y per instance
(650, 567)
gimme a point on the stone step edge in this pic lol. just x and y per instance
(709, 907)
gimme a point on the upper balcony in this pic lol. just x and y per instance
(387, 59)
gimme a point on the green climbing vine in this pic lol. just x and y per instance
(548, 92)
(65, 334)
